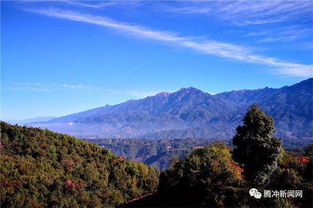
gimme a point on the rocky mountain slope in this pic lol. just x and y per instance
(191, 113)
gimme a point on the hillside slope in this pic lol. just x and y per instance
(40, 168)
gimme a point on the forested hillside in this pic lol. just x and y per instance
(160, 153)
(256, 173)
(40, 168)
(156, 153)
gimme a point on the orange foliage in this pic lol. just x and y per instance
(236, 166)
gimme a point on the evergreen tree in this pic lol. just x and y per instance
(256, 148)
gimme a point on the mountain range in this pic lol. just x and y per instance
(192, 113)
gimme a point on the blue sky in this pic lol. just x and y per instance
(68, 56)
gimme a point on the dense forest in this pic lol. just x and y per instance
(159, 153)
(40, 168)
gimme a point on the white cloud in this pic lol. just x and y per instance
(91, 4)
(210, 47)
(32, 89)
(42, 87)
(75, 87)
(288, 34)
(247, 12)
(259, 22)
(55, 87)
(284, 33)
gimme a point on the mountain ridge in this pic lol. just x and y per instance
(190, 112)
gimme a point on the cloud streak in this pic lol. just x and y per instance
(91, 5)
(247, 12)
(280, 34)
(210, 47)
(290, 33)
(45, 88)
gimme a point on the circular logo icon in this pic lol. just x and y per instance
(255, 193)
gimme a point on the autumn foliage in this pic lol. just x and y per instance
(40, 168)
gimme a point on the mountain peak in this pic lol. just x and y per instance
(190, 112)
(163, 94)
(190, 90)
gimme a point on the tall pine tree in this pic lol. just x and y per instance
(257, 150)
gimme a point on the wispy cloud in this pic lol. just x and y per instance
(259, 22)
(247, 12)
(91, 4)
(57, 87)
(211, 47)
(290, 33)
(31, 89)
(76, 87)
(24, 86)
(281, 34)
(41, 87)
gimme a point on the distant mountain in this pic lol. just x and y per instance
(191, 113)
(291, 107)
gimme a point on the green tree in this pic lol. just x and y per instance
(256, 148)
(203, 178)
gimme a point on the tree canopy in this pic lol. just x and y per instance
(40, 168)
(202, 176)
(256, 149)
